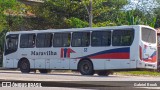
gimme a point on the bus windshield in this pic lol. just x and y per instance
(11, 43)
(148, 35)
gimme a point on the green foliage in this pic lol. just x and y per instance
(11, 17)
(139, 73)
(9, 9)
(131, 19)
(107, 10)
(136, 17)
(55, 13)
(76, 23)
(151, 22)
(7, 4)
(157, 13)
(2, 35)
(104, 24)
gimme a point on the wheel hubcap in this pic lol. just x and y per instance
(24, 65)
(85, 67)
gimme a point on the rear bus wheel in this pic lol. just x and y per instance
(24, 66)
(85, 67)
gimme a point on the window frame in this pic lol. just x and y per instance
(62, 34)
(81, 38)
(132, 37)
(101, 38)
(9, 51)
(28, 36)
(45, 38)
(142, 36)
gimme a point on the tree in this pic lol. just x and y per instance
(141, 12)
(75, 23)
(157, 13)
(11, 14)
(11, 17)
(55, 13)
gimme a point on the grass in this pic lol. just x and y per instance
(139, 73)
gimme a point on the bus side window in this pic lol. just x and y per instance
(44, 40)
(81, 39)
(48, 40)
(101, 38)
(27, 40)
(57, 40)
(31, 41)
(76, 39)
(86, 39)
(66, 39)
(61, 39)
(122, 37)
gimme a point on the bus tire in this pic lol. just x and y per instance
(24, 66)
(85, 67)
(103, 73)
(44, 71)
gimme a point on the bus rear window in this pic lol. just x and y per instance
(148, 35)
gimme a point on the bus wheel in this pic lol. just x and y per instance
(103, 73)
(44, 71)
(85, 67)
(24, 66)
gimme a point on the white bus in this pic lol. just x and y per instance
(88, 50)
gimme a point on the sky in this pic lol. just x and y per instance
(144, 5)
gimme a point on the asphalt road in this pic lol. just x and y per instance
(72, 81)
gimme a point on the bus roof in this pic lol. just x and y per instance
(78, 29)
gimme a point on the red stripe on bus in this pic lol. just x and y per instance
(153, 59)
(68, 52)
(62, 52)
(140, 52)
(112, 56)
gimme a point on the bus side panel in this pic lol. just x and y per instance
(44, 58)
(103, 58)
(93, 55)
(134, 48)
(117, 64)
(60, 62)
(118, 59)
(81, 53)
(73, 64)
(99, 64)
(29, 54)
(75, 56)
(10, 61)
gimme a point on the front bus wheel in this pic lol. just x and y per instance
(85, 67)
(24, 66)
